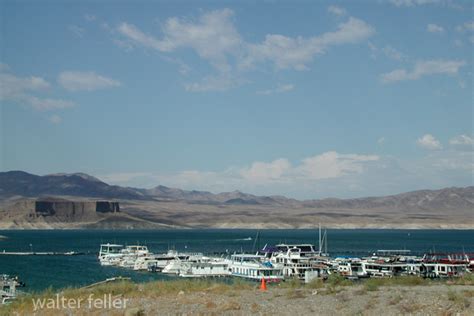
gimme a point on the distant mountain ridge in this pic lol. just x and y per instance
(76, 184)
(19, 183)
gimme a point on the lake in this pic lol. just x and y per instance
(40, 272)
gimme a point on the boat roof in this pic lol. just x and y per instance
(294, 245)
(111, 245)
(393, 251)
(246, 255)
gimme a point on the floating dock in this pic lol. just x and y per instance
(40, 253)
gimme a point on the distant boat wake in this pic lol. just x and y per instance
(243, 239)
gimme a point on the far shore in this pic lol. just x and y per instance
(237, 227)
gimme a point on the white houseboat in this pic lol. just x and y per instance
(298, 261)
(254, 267)
(110, 254)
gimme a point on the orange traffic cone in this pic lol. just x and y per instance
(263, 285)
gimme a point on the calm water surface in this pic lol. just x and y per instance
(40, 272)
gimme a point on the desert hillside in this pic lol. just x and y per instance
(161, 207)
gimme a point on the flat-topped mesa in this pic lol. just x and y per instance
(62, 208)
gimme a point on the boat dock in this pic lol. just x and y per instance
(40, 253)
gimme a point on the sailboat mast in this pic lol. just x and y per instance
(325, 241)
(320, 238)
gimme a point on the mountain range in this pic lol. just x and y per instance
(183, 208)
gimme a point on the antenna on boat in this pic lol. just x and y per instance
(320, 248)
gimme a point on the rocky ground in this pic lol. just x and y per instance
(419, 300)
(339, 300)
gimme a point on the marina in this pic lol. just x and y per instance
(214, 245)
(297, 261)
(283, 261)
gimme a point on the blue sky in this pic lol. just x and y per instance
(304, 99)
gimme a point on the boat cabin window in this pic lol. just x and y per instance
(306, 248)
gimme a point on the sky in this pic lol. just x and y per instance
(306, 99)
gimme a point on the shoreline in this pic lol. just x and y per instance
(332, 227)
(196, 297)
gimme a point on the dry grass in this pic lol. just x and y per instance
(315, 284)
(459, 299)
(292, 289)
(468, 293)
(295, 294)
(395, 300)
(231, 306)
(466, 279)
(210, 304)
(24, 305)
(410, 307)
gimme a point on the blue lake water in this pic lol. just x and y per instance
(40, 272)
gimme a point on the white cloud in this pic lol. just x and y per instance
(13, 86)
(266, 171)
(88, 81)
(337, 10)
(213, 36)
(462, 141)
(281, 88)
(137, 36)
(428, 141)
(332, 165)
(19, 90)
(433, 28)
(392, 53)
(411, 3)
(220, 82)
(215, 39)
(76, 30)
(55, 119)
(296, 53)
(373, 50)
(329, 174)
(424, 68)
(45, 104)
(388, 51)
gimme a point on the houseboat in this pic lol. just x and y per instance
(444, 265)
(110, 254)
(254, 267)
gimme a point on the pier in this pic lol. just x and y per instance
(40, 253)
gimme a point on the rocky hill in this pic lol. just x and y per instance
(77, 184)
(170, 207)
